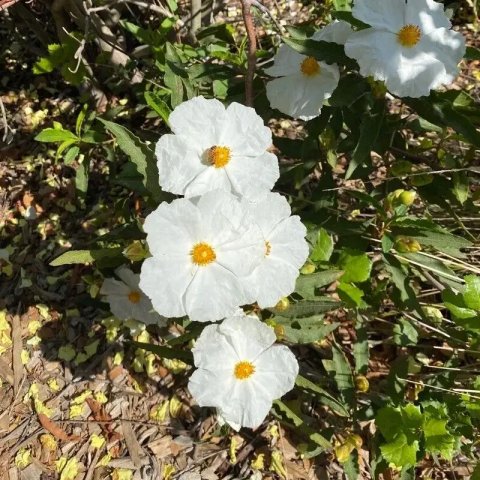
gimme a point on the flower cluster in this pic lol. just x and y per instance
(228, 242)
(408, 44)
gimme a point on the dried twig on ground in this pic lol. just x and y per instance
(252, 50)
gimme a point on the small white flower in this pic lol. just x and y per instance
(409, 46)
(285, 250)
(240, 371)
(127, 301)
(201, 249)
(214, 147)
(304, 83)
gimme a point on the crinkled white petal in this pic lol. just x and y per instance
(164, 279)
(248, 336)
(276, 370)
(301, 96)
(199, 120)
(214, 293)
(111, 286)
(211, 388)
(253, 177)
(247, 406)
(172, 228)
(244, 132)
(275, 277)
(407, 72)
(427, 14)
(286, 62)
(128, 277)
(388, 15)
(209, 179)
(337, 32)
(179, 162)
(269, 211)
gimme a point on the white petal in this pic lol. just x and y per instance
(213, 294)
(337, 32)
(179, 161)
(427, 14)
(172, 229)
(209, 179)
(253, 177)
(144, 312)
(269, 211)
(286, 62)
(383, 14)
(271, 281)
(300, 96)
(276, 371)
(246, 406)
(213, 350)
(288, 242)
(248, 336)
(211, 388)
(198, 119)
(128, 277)
(120, 306)
(111, 286)
(244, 131)
(165, 280)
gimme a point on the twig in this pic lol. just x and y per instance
(258, 4)
(6, 127)
(252, 50)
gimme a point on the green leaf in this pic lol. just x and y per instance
(323, 249)
(325, 397)
(460, 186)
(400, 452)
(86, 256)
(351, 295)
(328, 52)
(55, 135)
(308, 308)
(349, 89)
(158, 105)
(472, 53)
(340, 369)
(437, 437)
(471, 295)
(404, 333)
(81, 178)
(139, 154)
(342, 5)
(370, 127)
(305, 330)
(457, 306)
(307, 284)
(71, 155)
(443, 113)
(356, 266)
(80, 118)
(360, 347)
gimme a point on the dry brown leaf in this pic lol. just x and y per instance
(55, 430)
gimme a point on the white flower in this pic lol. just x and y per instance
(127, 301)
(304, 83)
(240, 371)
(201, 248)
(216, 148)
(285, 250)
(410, 45)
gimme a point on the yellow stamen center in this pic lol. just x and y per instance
(243, 370)
(202, 254)
(218, 156)
(409, 35)
(268, 248)
(134, 296)
(310, 67)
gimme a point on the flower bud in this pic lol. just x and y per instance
(283, 304)
(307, 269)
(361, 384)
(407, 197)
(136, 251)
(407, 245)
